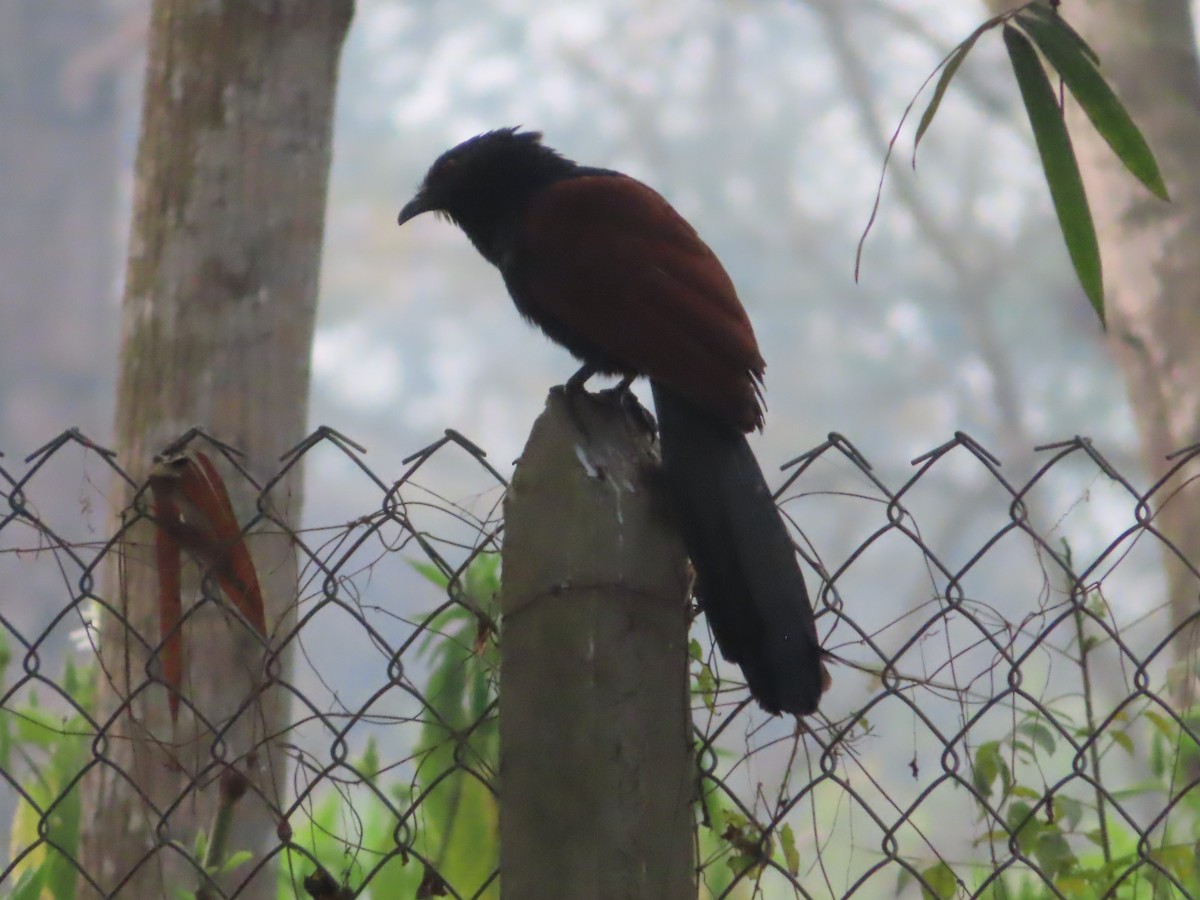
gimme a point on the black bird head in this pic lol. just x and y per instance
(482, 184)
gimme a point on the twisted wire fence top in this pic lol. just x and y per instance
(1010, 710)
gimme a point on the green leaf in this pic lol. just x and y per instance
(1068, 809)
(1040, 734)
(37, 726)
(482, 578)
(430, 572)
(1136, 789)
(706, 687)
(1162, 886)
(718, 813)
(1058, 162)
(993, 836)
(29, 886)
(1123, 740)
(787, 841)
(949, 67)
(952, 63)
(1053, 853)
(736, 821)
(1006, 779)
(987, 767)
(940, 882)
(1158, 756)
(1178, 859)
(6, 743)
(239, 858)
(941, 89)
(1075, 885)
(368, 765)
(1162, 724)
(460, 809)
(1062, 49)
(200, 845)
(743, 864)
(1023, 825)
(1047, 13)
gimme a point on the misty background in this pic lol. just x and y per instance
(766, 125)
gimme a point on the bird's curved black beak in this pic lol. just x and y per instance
(413, 208)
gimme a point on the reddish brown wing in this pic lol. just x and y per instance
(607, 257)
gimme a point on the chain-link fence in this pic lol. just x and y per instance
(1010, 715)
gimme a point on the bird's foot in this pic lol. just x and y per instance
(627, 400)
(574, 392)
(578, 382)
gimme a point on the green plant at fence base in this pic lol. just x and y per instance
(49, 749)
(456, 833)
(732, 845)
(1070, 844)
(210, 846)
(1063, 852)
(1068, 838)
(322, 837)
(453, 813)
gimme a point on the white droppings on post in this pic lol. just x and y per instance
(581, 455)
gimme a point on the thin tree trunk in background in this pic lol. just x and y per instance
(59, 168)
(1151, 256)
(58, 235)
(217, 325)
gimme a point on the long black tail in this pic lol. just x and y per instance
(747, 578)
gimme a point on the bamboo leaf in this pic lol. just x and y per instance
(953, 61)
(974, 36)
(1059, 164)
(1046, 13)
(1054, 38)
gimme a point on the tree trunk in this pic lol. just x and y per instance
(217, 325)
(1151, 256)
(596, 767)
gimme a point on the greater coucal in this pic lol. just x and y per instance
(605, 267)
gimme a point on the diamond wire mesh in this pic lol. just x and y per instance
(1010, 714)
